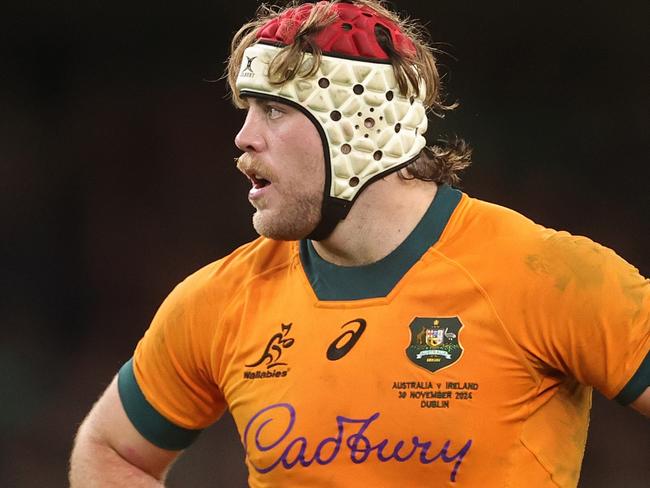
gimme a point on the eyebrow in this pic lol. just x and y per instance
(265, 102)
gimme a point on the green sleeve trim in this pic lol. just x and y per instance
(153, 426)
(637, 385)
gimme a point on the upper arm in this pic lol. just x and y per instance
(587, 316)
(170, 388)
(107, 424)
(642, 404)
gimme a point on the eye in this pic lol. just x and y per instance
(273, 112)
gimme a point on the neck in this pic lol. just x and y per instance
(380, 220)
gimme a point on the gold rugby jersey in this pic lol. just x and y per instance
(464, 358)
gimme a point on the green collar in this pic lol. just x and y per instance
(331, 282)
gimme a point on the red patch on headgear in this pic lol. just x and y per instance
(351, 34)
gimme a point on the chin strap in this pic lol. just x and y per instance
(333, 211)
(336, 209)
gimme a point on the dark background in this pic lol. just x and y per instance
(117, 180)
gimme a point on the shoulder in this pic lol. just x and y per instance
(478, 226)
(494, 220)
(227, 276)
(486, 235)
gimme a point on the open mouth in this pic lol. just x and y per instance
(258, 182)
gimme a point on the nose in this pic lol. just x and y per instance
(250, 138)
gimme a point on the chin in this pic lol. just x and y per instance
(283, 229)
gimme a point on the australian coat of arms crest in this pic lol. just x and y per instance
(435, 342)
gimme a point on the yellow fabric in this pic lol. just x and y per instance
(545, 316)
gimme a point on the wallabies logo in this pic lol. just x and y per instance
(435, 343)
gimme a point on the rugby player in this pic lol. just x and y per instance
(386, 329)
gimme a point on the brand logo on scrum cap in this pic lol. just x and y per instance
(248, 69)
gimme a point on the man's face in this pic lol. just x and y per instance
(283, 159)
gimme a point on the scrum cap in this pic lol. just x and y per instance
(367, 126)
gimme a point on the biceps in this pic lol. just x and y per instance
(108, 424)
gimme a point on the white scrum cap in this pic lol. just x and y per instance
(367, 126)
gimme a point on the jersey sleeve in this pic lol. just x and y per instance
(587, 315)
(168, 388)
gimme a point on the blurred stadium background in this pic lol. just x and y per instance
(117, 180)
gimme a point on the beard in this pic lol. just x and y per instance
(294, 220)
(294, 215)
